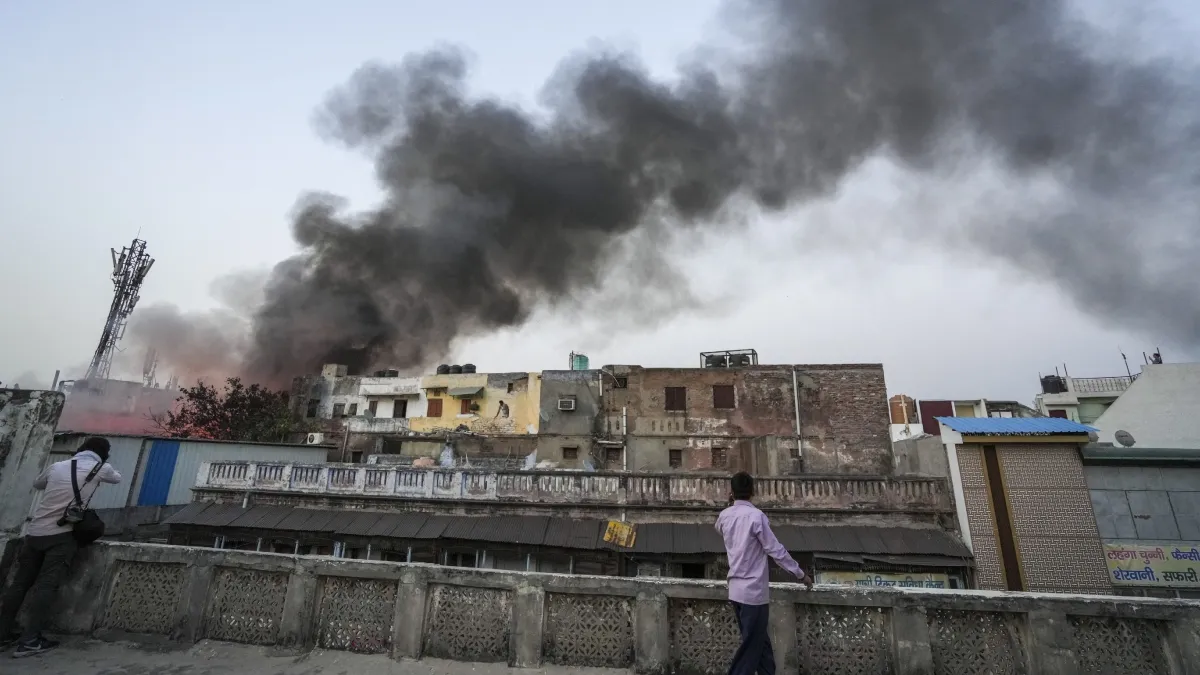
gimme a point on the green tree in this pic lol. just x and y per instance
(238, 413)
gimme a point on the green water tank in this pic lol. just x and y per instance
(579, 361)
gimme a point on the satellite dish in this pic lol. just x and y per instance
(1124, 438)
(1093, 436)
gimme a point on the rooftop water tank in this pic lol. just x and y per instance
(579, 361)
(443, 369)
(468, 368)
(456, 370)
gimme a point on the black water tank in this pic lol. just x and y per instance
(391, 373)
(380, 373)
(1053, 384)
(468, 367)
(456, 370)
(443, 369)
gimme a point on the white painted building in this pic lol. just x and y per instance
(1160, 409)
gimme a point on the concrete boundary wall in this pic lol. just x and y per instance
(654, 626)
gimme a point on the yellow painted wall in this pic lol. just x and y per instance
(522, 404)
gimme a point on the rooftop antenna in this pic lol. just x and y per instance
(149, 366)
(1126, 360)
(130, 268)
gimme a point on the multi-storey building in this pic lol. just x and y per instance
(729, 414)
(1080, 399)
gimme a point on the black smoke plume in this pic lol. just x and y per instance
(492, 210)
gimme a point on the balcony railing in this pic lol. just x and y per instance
(834, 492)
(1100, 385)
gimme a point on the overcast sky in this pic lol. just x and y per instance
(190, 124)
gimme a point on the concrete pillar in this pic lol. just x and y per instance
(910, 641)
(652, 634)
(193, 601)
(296, 627)
(408, 622)
(783, 636)
(1183, 646)
(1051, 644)
(529, 618)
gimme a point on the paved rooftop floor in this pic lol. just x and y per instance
(88, 657)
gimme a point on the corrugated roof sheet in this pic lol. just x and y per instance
(652, 538)
(1014, 426)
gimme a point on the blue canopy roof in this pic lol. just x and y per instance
(1014, 426)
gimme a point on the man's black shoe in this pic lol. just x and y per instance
(38, 645)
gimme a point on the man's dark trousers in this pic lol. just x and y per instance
(41, 567)
(755, 654)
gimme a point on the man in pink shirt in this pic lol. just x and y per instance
(748, 542)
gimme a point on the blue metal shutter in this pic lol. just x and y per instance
(160, 468)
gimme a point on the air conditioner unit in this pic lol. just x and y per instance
(315, 439)
(567, 404)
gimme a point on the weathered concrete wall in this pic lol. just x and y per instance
(27, 421)
(654, 626)
(924, 456)
(843, 417)
(566, 433)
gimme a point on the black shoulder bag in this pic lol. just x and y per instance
(87, 524)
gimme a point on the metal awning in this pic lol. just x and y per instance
(464, 392)
(851, 544)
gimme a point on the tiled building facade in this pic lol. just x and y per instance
(1025, 509)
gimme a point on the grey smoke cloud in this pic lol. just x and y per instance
(492, 211)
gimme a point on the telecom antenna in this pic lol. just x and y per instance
(130, 268)
(149, 367)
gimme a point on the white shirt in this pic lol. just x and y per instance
(58, 493)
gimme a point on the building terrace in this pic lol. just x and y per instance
(636, 497)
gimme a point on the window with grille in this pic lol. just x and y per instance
(612, 459)
(675, 398)
(675, 458)
(570, 454)
(435, 408)
(719, 458)
(723, 397)
(339, 410)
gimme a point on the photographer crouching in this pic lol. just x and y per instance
(61, 523)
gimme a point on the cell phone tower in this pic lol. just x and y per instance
(130, 268)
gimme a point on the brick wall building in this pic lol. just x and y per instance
(1024, 507)
(697, 419)
(766, 419)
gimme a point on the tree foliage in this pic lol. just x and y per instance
(238, 413)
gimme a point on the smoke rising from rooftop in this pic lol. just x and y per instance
(492, 211)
